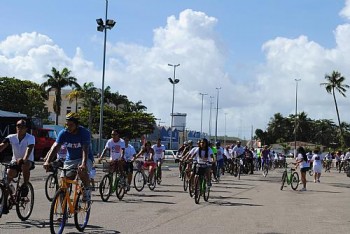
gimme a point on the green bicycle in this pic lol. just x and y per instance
(290, 176)
(201, 187)
(110, 184)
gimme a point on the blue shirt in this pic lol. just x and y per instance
(75, 143)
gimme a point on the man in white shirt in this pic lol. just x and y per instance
(22, 158)
(159, 154)
(238, 150)
(129, 155)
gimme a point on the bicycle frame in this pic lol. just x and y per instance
(64, 185)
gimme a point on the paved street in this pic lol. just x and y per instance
(253, 204)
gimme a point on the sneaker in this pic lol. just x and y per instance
(314, 181)
(180, 175)
(87, 195)
(318, 181)
(24, 191)
(303, 189)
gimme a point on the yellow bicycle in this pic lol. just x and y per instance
(65, 205)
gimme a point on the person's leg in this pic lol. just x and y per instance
(26, 171)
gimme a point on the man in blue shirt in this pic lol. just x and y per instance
(79, 155)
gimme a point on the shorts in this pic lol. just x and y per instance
(201, 170)
(128, 167)
(317, 168)
(147, 164)
(304, 169)
(70, 164)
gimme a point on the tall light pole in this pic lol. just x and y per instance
(217, 113)
(295, 117)
(202, 94)
(225, 131)
(174, 82)
(102, 27)
(211, 107)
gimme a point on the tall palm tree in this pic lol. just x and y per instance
(90, 96)
(335, 82)
(74, 96)
(56, 81)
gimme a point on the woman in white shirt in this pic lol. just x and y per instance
(317, 165)
(304, 166)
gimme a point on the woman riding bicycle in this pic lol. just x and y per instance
(147, 153)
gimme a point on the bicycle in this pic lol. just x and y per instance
(265, 167)
(290, 176)
(184, 176)
(236, 167)
(110, 184)
(201, 187)
(24, 204)
(141, 178)
(51, 183)
(158, 171)
(64, 206)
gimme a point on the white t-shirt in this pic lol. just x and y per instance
(228, 153)
(158, 152)
(303, 163)
(129, 152)
(317, 160)
(347, 155)
(199, 156)
(19, 148)
(115, 148)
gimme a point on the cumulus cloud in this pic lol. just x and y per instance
(190, 39)
(345, 12)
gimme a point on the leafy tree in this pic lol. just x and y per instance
(56, 81)
(335, 83)
(22, 96)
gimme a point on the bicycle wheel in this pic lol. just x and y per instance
(266, 170)
(152, 182)
(120, 187)
(158, 178)
(24, 205)
(191, 187)
(51, 186)
(58, 212)
(239, 167)
(206, 190)
(105, 188)
(2, 198)
(294, 181)
(81, 212)
(185, 180)
(139, 181)
(197, 190)
(311, 172)
(284, 176)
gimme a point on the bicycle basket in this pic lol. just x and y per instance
(139, 165)
(106, 166)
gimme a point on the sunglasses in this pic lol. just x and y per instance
(20, 126)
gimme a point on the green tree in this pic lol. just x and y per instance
(22, 96)
(335, 83)
(56, 81)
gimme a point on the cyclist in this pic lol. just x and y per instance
(129, 154)
(265, 153)
(219, 158)
(213, 165)
(22, 156)
(238, 150)
(159, 154)
(148, 153)
(116, 148)
(204, 154)
(79, 153)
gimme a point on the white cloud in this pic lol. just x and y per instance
(345, 12)
(141, 72)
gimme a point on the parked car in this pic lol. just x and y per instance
(170, 155)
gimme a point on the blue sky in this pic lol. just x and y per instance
(239, 45)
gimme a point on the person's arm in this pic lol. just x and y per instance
(102, 154)
(52, 152)
(4, 144)
(28, 152)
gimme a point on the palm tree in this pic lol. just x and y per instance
(56, 81)
(74, 96)
(335, 83)
(90, 96)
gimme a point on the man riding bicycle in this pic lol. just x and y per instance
(79, 155)
(116, 148)
(22, 156)
(159, 154)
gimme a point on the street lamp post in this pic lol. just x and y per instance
(102, 27)
(225, 131)
(211, 107)
(295, 117)
(202, 94)
(217, 113)
(173, 82)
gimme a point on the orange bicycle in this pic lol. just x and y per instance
(65, 206)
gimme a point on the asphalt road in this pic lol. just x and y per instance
(253, 204)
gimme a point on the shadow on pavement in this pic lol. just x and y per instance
(227, 203)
